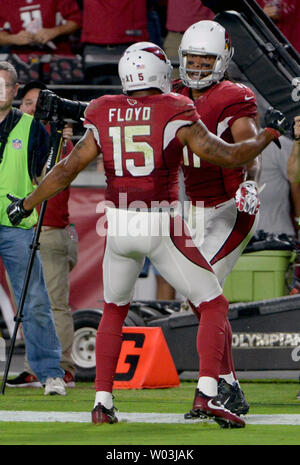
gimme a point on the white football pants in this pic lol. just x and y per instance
(165, 239)
(221, 233)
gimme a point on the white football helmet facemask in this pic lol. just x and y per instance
(144, 65)
(205, 38)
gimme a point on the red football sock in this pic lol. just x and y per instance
(227, 365)
(211, 336)
(108, 345)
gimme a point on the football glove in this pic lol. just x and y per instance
(276, 120)
(247, 198)
(15, 211)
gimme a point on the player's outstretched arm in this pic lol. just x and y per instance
(213, 149)
(64, 172)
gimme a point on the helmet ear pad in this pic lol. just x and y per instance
(205, 38)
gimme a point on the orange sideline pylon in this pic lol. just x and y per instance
(145, 360)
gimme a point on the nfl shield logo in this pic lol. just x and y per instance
(17, 144)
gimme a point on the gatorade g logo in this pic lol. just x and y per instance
(145, 360)
(134, 343)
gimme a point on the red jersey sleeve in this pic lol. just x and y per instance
(91, 116)
(242, 103)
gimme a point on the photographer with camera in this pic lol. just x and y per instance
(58, 253)
(22, 137)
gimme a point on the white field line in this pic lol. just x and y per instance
(85, 417)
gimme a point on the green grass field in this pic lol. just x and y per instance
(265, 397)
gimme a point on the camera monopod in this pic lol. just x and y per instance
(56, 128)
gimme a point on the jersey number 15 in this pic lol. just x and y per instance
(131, 146)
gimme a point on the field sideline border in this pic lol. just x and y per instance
(85, 417)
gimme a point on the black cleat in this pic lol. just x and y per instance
(232, 397)
(211, 407)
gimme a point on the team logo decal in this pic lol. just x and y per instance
(17, 144)
(157, 51)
